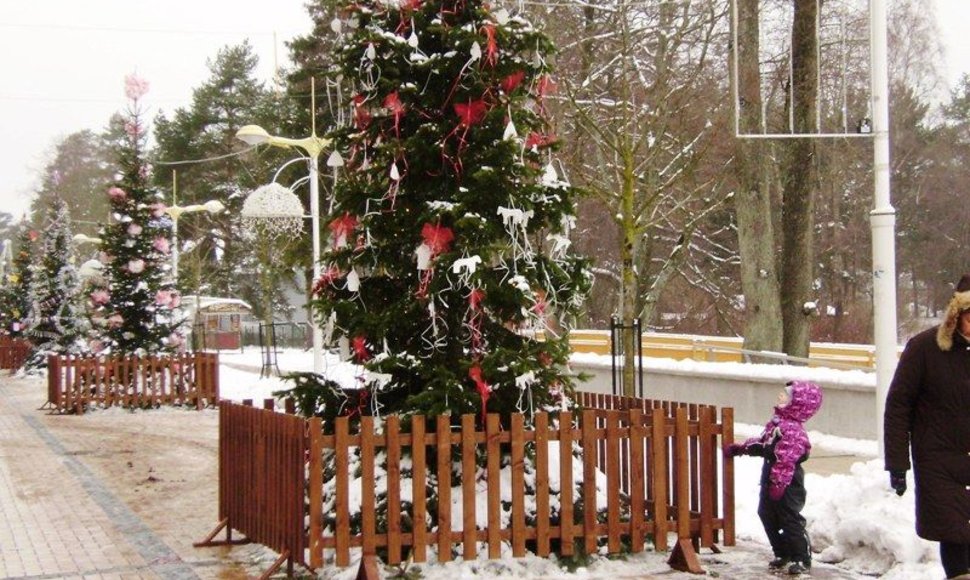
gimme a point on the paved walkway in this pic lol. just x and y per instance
(61, 518)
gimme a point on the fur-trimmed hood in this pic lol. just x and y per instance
(959, 303)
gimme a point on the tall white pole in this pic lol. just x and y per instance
(315, 224)
(175, 231)
(882, 219)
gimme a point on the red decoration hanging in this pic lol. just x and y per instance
(392, 103)
(511, 82)
(362, 116)
(359, 346)
(326, 280)
(471, 113)
(484, 391)
(491, 46)
(539, 140)
(438, 238)
(342, 228)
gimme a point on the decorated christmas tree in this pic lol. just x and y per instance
(19, 282)
(448, 269)
(137, 310)
(56, 324)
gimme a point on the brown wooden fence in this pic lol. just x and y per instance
(657, 464)
(13, 352)
(75, 383)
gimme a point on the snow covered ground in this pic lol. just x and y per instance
(856, 523)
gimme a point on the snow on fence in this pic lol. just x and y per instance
(13, 352)
(77, 382)
(627, 472)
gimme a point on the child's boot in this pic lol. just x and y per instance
(778, 563)
(798, 567)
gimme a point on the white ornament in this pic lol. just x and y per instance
(549, 175)
(413, 40)
(136, 266)
(502, 16)
(335, 159)
(510, 132)
(424, 256)
(395, 174)
(476, 52)
(371, 52)
(353, 281)
(336, 25)
(467, 265)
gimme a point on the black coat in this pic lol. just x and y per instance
(928, 410)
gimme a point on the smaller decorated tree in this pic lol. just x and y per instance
(136, 310)
(19, 282)
(56, 324)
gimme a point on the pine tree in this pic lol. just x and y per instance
(137, 312)
(448, 239)
(20, 281)
(56, 323)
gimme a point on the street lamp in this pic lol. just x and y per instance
(313, 146)
(175, 211)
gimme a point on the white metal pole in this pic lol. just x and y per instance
(175, 250)
(882, 219)
(315, 224)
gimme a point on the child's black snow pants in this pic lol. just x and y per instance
(783, 520)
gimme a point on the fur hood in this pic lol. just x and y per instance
(959, 303)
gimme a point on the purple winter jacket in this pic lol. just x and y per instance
(787, 431)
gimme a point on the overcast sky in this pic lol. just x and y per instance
(63, 63)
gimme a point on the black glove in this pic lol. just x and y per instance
(897, 481)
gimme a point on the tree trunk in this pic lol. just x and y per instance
(798, 209)
(752, 202)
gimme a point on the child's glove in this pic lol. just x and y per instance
(776, 491)
(897, 481)
(733, 450)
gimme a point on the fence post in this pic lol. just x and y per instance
(54, 380)
(315, 427)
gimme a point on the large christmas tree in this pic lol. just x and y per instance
(137, 311)
(448, 238)
(56, 323)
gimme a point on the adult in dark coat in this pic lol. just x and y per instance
(928, 412)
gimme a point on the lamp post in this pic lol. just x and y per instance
(175, 211)
(313, 146)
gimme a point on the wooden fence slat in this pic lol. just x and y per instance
(468, 469)
(368, 502)
(682, 476)
(590, 458)
(566, 532)
(542, 484)
(727, 476)
(613, 483)
(342, 491)
(393, 446)
(707, 478)
(493, 478)
(658, 444)
(418, 477)
(315, 469)
(637, 512)
(443, 450)
(518, 486)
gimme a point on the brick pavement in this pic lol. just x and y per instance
(62, 514)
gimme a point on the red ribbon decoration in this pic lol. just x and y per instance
(539, 140)
(359, 344)
(362, 116)
(471, 113)
(343, 226)
(437, 238)
(326, 279)
(511, 82)
(491, 46)
(392, 103)
(475, 299)
(475, 373)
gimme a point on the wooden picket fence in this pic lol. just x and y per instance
(75, 383)
(13, 352)
(660, 462)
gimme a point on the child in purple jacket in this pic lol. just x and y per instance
(784, 445)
